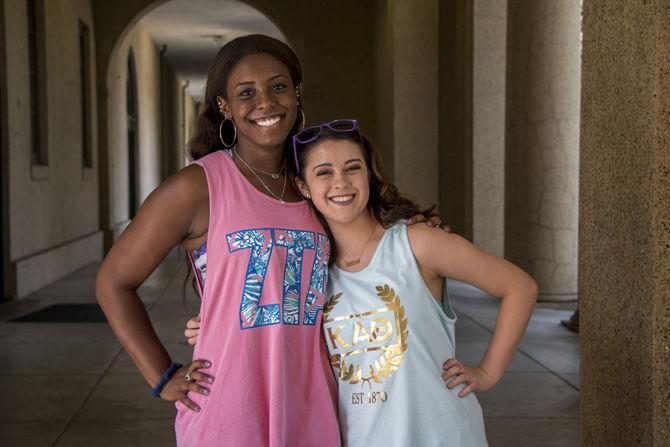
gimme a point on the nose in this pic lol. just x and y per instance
(340, 181)
(263, 100)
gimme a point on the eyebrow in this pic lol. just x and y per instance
(330, 164)
(253, 82)
(321, 165)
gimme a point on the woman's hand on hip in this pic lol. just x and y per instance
(187, 379)
(476, 379)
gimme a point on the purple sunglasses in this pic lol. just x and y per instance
(310, 134)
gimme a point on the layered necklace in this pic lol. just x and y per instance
(271, 174)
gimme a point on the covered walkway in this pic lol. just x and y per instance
(71, 384)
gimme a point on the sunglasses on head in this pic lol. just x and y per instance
(310, 134)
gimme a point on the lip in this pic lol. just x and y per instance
(343, 203)
(254, 121)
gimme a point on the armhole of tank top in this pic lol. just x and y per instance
(445, 302)
(220, 206)
(198, 281)
(203, 289)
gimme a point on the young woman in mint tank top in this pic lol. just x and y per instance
(391, 343)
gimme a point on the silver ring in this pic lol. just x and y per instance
(187, 377)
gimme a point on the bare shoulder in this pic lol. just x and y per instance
(425, 239)
(437, 251)
(176, 204)
(187, 183)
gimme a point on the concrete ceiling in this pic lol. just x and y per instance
(193, 31)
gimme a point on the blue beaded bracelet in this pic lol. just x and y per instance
(156, 391)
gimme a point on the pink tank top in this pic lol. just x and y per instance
(267, 267)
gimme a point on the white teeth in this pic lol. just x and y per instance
(342, 199)
(267, 122)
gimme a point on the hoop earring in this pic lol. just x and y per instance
(302, 121)
(227, 146)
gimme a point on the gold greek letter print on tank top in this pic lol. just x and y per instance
(368, 347)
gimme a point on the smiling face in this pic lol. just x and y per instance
(261, 100)
(336, 179)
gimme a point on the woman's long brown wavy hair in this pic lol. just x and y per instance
(385, 203)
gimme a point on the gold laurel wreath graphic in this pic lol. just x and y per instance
(330, 305)
(328, 308)
(392, 356)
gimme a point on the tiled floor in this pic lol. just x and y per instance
(70, 384)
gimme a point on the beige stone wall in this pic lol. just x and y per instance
(147, 65)
(53, 223)
(488, 124)
(624, 267)
(542, 158)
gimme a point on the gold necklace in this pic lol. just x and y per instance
(360, 255)
(281, 197)
(271, 174)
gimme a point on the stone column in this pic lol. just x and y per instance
(624, 266)
(488, 125)
(415, 100)
(542, 156)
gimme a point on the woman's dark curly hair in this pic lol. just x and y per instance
(385, 202)
(206, 138)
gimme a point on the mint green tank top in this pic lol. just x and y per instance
(387, 339)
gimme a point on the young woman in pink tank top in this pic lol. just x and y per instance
(260, 375)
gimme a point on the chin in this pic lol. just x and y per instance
(341, 218)
(270, 142)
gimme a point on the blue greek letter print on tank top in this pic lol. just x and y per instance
(318, 280)
(295, 242)
(261, 243)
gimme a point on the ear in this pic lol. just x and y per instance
(303, 188)
(222, 104)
